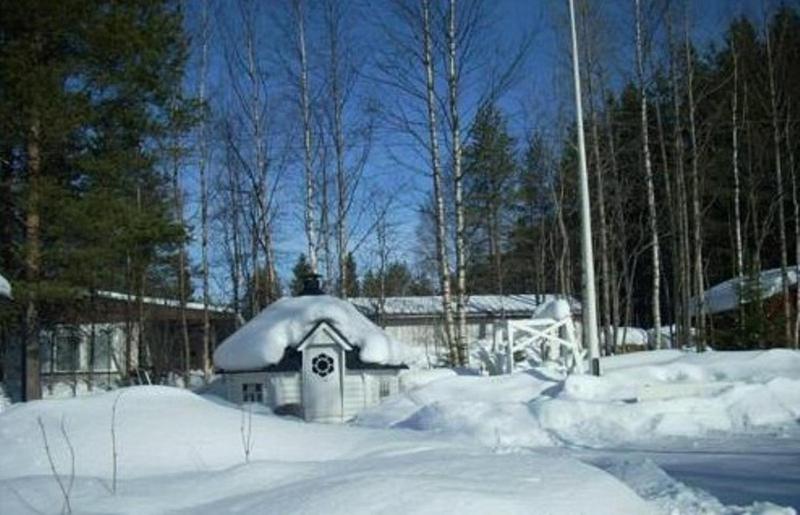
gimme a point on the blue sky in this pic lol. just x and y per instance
(540, 97)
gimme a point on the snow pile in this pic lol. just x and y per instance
(630, 336)
(263, 340)
(5, 287)
(178, 452)
(555, 309)
(641, 396)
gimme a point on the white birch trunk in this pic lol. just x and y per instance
(458, 176)
(310, 193)
(737, 214)
(441, 245)
(202, 165)
(337, 105)
(697, 215)
(648, 169)
(684, 261)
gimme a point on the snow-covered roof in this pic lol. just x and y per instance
(5, 287)
(285, 323)
(521, 304)
(157, 301)
(725, 296)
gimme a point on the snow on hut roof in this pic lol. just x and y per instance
(523, 304)
(5, 287)
(725, 296)
(262, 341)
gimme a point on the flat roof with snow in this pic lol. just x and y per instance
(725, 296)
(523, 304)
(5, 287)
(157, 301)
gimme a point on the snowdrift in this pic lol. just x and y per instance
(641, 396)
(182, 453)
(263, 340)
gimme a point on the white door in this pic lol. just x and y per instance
(322, 382)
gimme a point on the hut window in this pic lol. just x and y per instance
(322, 364)
(385, 388)
(253, 392)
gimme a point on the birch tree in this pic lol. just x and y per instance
(436, 169)
(779, 188)
(248, 140)
(305, 112)
(349, 130)
(203, 162)
(683, 265)
(737, 215)
(648, 168)
(590, 63)
(458, 179)
(697, 215)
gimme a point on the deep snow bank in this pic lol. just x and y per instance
(641, 396)
(180, 452)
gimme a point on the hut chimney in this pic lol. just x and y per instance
(312, 285)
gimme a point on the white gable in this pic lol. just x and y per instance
(285, 323)
(324, 333)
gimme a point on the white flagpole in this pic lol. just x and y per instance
(589, 301)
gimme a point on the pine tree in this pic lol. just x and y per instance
(489, 167)
(302, 269)
(351, 288)
(82, 143)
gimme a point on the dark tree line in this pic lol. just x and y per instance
(524, 222)
(91, 109)
(103, 124)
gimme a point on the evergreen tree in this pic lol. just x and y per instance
(489, 168)
(351, 287)
(531, 209)
(86, 98)
(397, 281)
(301, 270)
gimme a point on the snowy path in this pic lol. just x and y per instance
(735, 470)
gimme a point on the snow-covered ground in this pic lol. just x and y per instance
(660, 432)
(179, 452)
(672, 425)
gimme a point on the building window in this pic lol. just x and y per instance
(385, 388)
(103, 349)
(253, 392)
(67, 342)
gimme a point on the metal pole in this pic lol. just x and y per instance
(589, 301)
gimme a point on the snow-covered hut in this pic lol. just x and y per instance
(314, 356)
